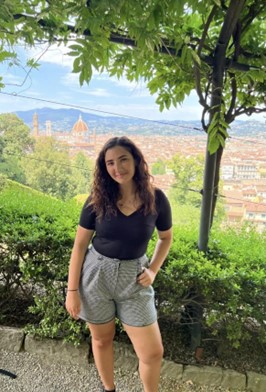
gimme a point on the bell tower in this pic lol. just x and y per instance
(35, 125)
(48, 124)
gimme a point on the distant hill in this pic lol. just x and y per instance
(55, 115)
(64, 119)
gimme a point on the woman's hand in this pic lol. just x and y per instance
(73, 304)
(146, 278)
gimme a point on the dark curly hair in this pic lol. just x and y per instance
(105, 191)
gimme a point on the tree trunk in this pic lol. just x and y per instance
(212, 162)
(219, 154)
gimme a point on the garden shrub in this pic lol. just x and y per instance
(229, 282)
(3, 181)
(37, 233)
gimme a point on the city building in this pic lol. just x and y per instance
(243, 167)
(80, 138)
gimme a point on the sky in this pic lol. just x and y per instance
(54, 81)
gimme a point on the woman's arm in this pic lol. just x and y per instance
(160, 252)
(81, 243)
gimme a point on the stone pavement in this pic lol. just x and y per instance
(14, 340)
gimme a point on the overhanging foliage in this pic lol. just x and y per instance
(173, 45)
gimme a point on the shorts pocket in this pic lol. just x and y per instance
(90, 269)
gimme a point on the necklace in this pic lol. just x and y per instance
(127, 203)
(130, 203)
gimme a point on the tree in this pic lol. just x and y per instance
(216, 47)
(159, 167)
(188, 178)
(15, 140)
(82, 173)
(1, 149)
(48, 169)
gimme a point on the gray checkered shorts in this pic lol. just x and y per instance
(108, 289)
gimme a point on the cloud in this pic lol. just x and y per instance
(139, 88)
(70, 80)
(150, 111)
(94, 88)
(10, 78)
(13, 103)
(99, 92)
(53, 54)
(58, 55)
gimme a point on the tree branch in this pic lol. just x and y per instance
(197, 74)
(229, 114)
(206, 28)
(236, 40)
(249, 111)
(230, 21)
(127, 41)
(254, 10)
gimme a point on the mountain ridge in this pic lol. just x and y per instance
(64, 120)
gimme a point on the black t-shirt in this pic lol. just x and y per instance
(126, 237)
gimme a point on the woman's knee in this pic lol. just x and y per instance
(158, 353)
(102, 342)
(102, 335)
(155, 354)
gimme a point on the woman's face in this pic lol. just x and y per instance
(120, 164)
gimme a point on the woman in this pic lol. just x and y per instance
(113, 277)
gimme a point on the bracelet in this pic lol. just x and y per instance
(72, 290)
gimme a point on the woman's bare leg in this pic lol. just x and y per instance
(148, 345)
(102, 346)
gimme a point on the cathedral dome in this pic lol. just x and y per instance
(80, 127)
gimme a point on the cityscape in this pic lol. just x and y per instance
(243, 167)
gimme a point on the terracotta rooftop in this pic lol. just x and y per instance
(255, 208)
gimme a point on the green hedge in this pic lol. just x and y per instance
(37, 233)
(229, 283)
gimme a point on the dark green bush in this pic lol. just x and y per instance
(229, 283)
(36, 238)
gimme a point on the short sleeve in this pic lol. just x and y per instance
(88, 216)
(164, 219)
